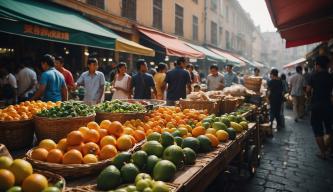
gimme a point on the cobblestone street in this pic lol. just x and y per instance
(288, 163)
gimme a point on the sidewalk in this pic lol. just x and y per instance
(289, 163)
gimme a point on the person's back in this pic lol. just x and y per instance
(297, 84)
(177, 79)
(26, 78)
(276, 90)
(54, 81)
(322, 85)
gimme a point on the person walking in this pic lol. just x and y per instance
(142, 82)
(283, 78)
(59, 65)
(307, 101)
(275, 96)
(26, 81)
(320, 86)
(122, 83)
(93, 82)
(230, 77)
(159, 78)
(215, 79)
(52, 86)
(297, 86)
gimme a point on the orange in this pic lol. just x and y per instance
(222, 135)
(133, 139)
(128, 131)
(92, 135)
(55, 156)
(198, 131)
(213, 139)
(107, 152)
(90, 158)
(90, 148)
(116, 128)
(102, 133)
(74, 138)
(62, 144)
(108, 140)
(39, 154)
(83, 130)
(105, 124)
(78, 147)
(124, 142)
(47, 144)
(72, 157)
(93, 125)
(35, 182)
(21, 170)
(139, 135)
(7, 179)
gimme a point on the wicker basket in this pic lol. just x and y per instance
(4, 151)
(121, 117)
(52, 178)
(73, 170)
(17, 134)
(58, 128)
(252, 83)
(212, 107)
(229, 105)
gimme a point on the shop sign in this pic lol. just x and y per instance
(45, 32)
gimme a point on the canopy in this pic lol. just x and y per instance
(40, 20)
(211, 56)
(294, 63)
(172, 45)
(230, 58)
(258, 64)
(302, 22)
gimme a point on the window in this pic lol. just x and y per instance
(179, 20)
(195, 1)
(220, 34)
(213, 33)
(195, 28)
(213, 5)
(157, 14)
(128, 9)
(96, 3)
(227, 13)
(227, 39)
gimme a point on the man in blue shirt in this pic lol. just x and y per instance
(177, 80)
(52, 86)
(230, 77)
(142, 82)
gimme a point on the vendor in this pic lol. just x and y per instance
(215, 79)
(230, 77)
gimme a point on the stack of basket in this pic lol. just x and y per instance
(212, 106)
(229, 105)
(253, 83)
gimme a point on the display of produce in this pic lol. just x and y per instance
(90, 144)
(119, 106)
(18, 175)
(237, 90)
(25, 110)
(245, 108)
(68, 109)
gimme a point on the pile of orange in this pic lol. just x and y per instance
(25, 110)
(20, 173)
(89, 144)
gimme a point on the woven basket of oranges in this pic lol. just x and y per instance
(16, 123)
(84, 151)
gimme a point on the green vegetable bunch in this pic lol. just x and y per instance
(118, 106)
(68, 109)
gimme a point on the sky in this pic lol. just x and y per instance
(259, 13)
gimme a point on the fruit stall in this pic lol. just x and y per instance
(128, 145)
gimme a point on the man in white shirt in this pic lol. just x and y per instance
(215, 79)
(297, 85)
(26, 82)
(8, 87)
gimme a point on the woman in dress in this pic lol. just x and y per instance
(159, 78)
(122, 83)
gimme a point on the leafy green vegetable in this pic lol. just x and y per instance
(68, 109)
(118, 106)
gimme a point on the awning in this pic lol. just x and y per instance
(246, 61)
(302, 22)
(40, 20)
(294, 63)
(172, 45)
(230, 58)
(211, 56)
(258, 64)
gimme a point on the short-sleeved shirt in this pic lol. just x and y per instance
(229, 79)
(177, 79)
(54, 81)
(275, 88)
(25, 78)
(68, 77)
(142, 84)
(297, 83)
(9, 79)
(159, 81)
(92, 84)
(322, 85)
(214, 82)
